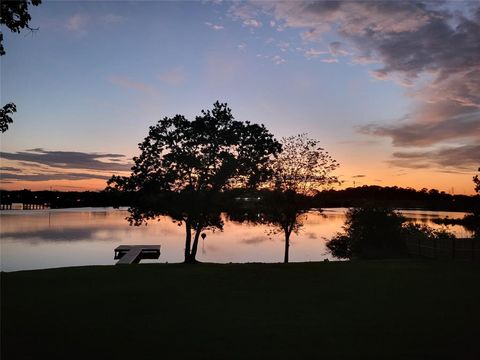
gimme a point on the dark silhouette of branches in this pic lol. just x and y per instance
(5, 118)
(369, 232)
(14, 15)
(375, 232)
(194, 161)
(476, 181)
(302, 168)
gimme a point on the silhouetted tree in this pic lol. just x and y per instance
(195, 160)
(15, 16)
(280, 210)
(473, 221)
(476, 181)
(302, 168)
(284, 214)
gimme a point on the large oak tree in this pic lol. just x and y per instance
(185, 164)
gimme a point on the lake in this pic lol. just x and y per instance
(39, 239)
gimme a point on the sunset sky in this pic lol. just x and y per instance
(391, 89)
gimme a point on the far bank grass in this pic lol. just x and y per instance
(399, 309)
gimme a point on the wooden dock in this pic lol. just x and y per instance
(133, 254)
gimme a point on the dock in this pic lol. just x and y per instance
(133, 254)
(24, 206)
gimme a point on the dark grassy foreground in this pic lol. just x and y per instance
(400, 309)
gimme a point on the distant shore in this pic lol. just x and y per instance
(388, 196)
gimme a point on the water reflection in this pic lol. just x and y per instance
(56, 235)
(42, 239)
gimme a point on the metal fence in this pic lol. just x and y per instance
(466, 249)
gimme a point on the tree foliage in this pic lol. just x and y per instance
(192, 161)
(211, 153)
(476, 181)
(15, 16)
(374, 232)
(303, 167)
(424, 233)
(282, 211)
(369, 233)
(5, 118)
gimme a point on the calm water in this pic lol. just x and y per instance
(69, 237)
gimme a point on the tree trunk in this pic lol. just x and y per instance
(193, 254)
(188, 240)
(287, 246)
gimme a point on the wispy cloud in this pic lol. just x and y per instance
(127, 83)
(9, 168)
(278, 60)
(336, 48)
(330, 60)
(214, 26)
(314, 53)
(242, 46)
(244, 10)
(252, 23)
(69, 159)
(78, 23)
(424, 134)
(39, 165)
(463, 158)
(51, 176)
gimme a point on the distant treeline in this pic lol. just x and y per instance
(393, 197)
(396, 197)
(67, 199)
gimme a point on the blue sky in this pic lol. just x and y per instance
(97, 74)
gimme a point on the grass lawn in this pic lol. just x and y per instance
(396, 309)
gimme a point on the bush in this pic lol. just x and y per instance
(379, 233)
(417, 232)
(471, 222)
(370, 233)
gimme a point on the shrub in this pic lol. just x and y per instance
(417, 232)
(380, 233)
(370, 233)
